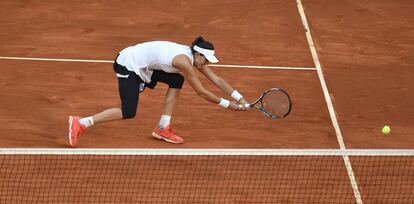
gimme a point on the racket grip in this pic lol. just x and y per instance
(245, 106)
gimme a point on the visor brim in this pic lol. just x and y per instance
(211, 58)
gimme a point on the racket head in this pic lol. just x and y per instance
(275, 103)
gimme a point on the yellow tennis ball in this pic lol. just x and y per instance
(386, 130)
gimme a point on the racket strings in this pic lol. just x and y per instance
(276, 103)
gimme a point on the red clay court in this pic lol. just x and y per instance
(347, 65)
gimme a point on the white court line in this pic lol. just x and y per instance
(328, 100)
(111, 61)
(206, 152)
(56, 60)
(262, 67)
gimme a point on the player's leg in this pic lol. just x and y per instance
(78, 125)
(175, 83)
(129, 85)
(169, 104)
(108, 115)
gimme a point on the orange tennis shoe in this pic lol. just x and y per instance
(167, 134)
(75, 130)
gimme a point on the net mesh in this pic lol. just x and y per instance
(184, 176)
(276, 103)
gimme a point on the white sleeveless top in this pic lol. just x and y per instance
(157, 55)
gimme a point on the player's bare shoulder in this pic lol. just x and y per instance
(182, 62)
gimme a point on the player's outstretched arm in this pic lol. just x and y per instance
(223, 85)
(182, 63)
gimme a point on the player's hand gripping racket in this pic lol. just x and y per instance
(274, 103)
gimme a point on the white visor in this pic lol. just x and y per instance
(209, 54)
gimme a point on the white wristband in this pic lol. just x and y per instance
(236, 95)
(224, 103)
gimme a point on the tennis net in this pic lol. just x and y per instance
(206, 176)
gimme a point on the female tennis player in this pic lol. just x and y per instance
(146, 64)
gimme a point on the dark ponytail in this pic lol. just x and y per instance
(201, 42)
(197, 41)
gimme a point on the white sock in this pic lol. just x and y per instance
(164, 121)
(87, 122)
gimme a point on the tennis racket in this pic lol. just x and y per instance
(274, 103)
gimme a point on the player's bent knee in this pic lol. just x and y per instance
(128, 114)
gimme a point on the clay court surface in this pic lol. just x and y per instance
(365, 49)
